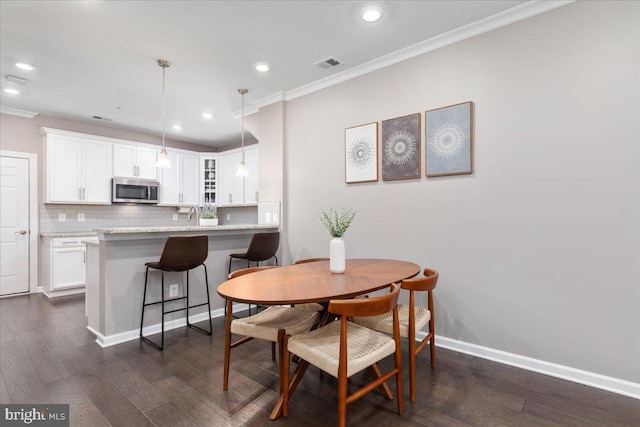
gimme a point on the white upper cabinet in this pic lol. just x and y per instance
(251, 195)
(234, 189)
(130, 161)
(179, 184)
(231, 186)
(78, 169)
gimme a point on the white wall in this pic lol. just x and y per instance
(538, 250)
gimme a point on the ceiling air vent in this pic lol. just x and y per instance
(327, 63)
(102, 118)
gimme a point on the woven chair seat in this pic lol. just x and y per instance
(384, 322)
(321, 347)
(311, 306)
(265, 325)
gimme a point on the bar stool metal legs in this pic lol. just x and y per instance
(164, 312)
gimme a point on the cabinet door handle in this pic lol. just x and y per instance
(79, 193)
(21, 232)
(84, 190)
(230, 198)
(256, 196)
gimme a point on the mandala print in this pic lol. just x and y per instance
(400, 147)
(447, 141)
(360, 153)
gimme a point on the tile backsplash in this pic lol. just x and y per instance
(128, 216)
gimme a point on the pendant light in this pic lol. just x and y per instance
(163, 156)
(242, 169)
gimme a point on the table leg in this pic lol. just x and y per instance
(295, 380)
(375, 373)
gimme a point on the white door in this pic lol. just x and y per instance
(14, 225)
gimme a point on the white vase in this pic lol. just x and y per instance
(208, 222)
(337, 255)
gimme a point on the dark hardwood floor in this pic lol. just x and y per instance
(48, 356)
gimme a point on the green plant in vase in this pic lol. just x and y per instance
(337, 224)
(209, 215)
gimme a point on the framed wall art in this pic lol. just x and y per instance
(401, 148)
(449, 140)
(361, 153)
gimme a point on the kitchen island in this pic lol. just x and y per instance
(116, 271)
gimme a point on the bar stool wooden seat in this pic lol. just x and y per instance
(180, 254)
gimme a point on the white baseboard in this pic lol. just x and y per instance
(110, 340)
(614, 385)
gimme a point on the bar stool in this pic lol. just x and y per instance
(180, 253)
(263, 246)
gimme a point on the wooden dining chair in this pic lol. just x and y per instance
(412, 320)
(314, 306)
(343, 348)
(270, 324)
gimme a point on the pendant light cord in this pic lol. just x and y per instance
(243, 126)
(164, 69)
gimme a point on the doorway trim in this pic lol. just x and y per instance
(34, 226)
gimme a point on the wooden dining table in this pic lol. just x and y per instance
(308, 283)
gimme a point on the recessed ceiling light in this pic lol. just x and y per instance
(371, 14)
(262, 67)
(207, 115)
(12, 91)
(25, 66)
(177, 127)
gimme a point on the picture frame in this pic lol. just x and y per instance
(400, 149)
(449, 140)
(361, 153)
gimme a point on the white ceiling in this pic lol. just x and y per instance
(99, 57)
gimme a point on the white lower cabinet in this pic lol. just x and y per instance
(64, 265)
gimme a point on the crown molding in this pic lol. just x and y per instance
(16, 112)
(515, 14)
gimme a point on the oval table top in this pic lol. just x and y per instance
(313, 282)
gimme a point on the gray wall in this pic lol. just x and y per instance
(538, 250)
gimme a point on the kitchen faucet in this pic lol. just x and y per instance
(197, 210)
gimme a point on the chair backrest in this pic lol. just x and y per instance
(183, 253)
(263, 246)
(426, 283)
(244, 271)
(362, 307)
(306, 260)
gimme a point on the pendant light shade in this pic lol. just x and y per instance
(163, 156)
(242, 169)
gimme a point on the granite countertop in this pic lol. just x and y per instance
(69, 234)
(176, 228)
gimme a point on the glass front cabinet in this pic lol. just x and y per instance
(208, 179)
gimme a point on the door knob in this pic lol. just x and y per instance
(21, 232)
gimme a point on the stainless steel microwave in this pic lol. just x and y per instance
(128, 190)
